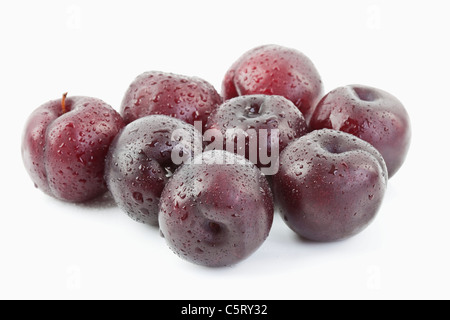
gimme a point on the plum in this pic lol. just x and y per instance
(64, 146)
(275, 70)
(252, 114)
(217, 210)
(141, 160)
(186, 98)
(371, 114)
(330, 185)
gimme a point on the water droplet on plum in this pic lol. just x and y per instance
(138, 197)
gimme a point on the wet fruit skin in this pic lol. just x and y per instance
(139, 163)
(64, 153)
(216, 214)
(371, 114)
(275, 70)
(330, 185)
(157, 93)
(260, 112)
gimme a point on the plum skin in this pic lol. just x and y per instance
(186, 98)
(330, 185)
(64, 153)
(275, 70)
(259, 112)
(216, 214)
(139, 163)
(371, 114)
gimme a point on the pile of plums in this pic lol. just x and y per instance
(210, 169)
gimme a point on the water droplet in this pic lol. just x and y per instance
(138, 101)
(169, 172)
(138, 197)
(156, 98)
(333, 170)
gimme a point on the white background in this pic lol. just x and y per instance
(50, 249)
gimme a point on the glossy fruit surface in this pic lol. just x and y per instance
(370, 114)
(158, 93)
(330, 185)
(140, 163)
(253, 113)
(216, 214)
(275, 70)
(64, 147)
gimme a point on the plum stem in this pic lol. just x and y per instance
(63, 102)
